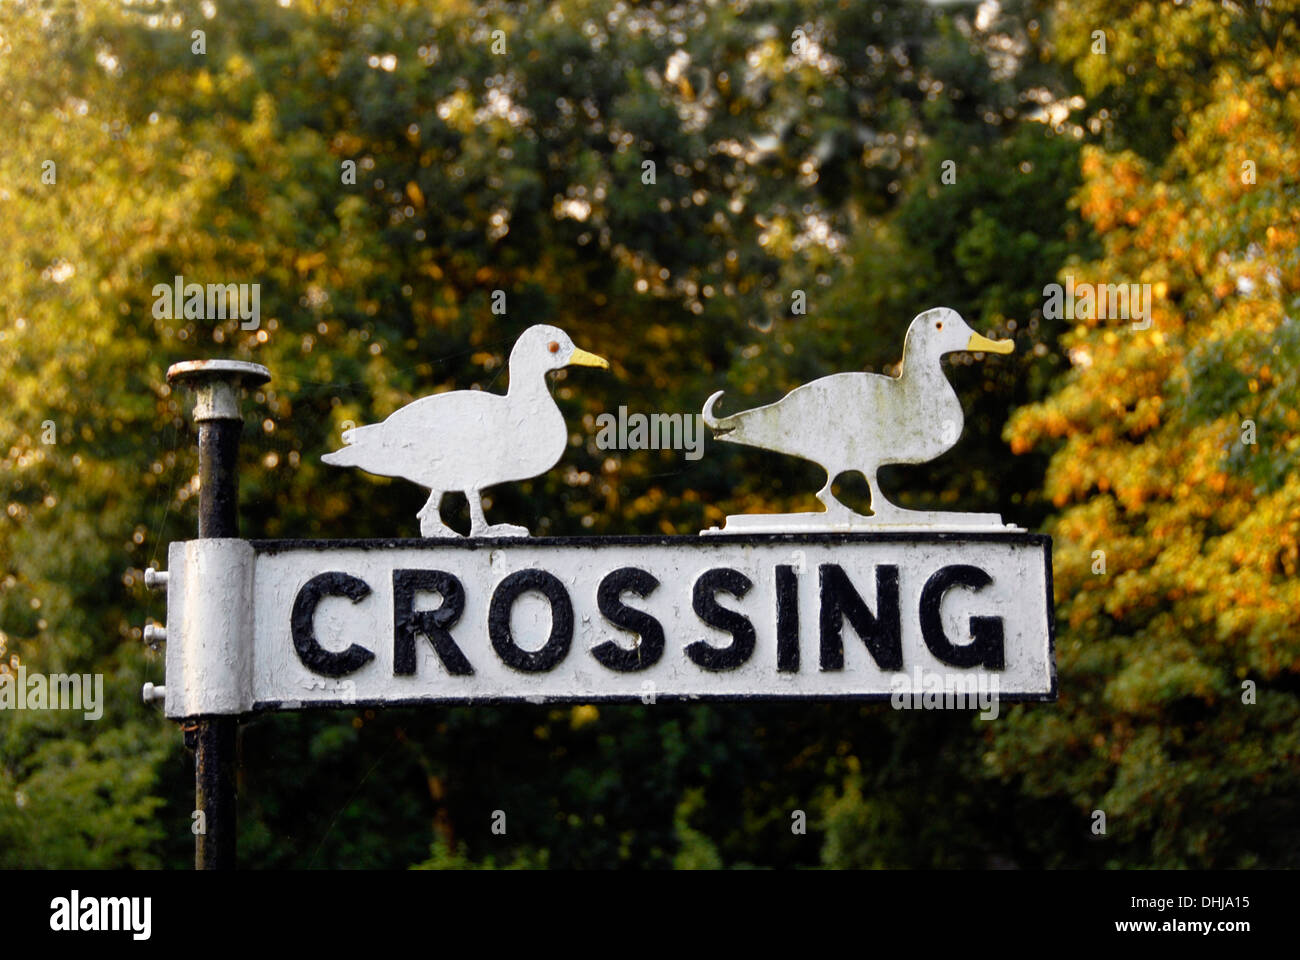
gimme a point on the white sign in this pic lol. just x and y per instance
(261, 625)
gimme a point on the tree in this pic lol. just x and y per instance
(1174, 453)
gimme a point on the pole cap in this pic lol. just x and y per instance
(192, 372)
(215, 384)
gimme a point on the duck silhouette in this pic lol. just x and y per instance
(468, 440)
(863, 421)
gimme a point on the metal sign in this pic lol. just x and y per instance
(263, 625)
(897, 603)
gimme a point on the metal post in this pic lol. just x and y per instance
(215, 385)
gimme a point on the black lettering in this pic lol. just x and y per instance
(709, 584)
(787, 620)
(503, 601)
(434, 624)
(650, 634)
(313, 656)
(883, 633)
(988, 646)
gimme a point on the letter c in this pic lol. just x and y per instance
(313, 656)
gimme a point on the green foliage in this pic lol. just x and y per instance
(1220, 387)
(74, 804)
(695, 850)
(441, 857)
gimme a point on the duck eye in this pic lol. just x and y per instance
(553, 346)
(939, 325)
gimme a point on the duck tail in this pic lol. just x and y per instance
(349, 455)
(719, 427)
(340, 458)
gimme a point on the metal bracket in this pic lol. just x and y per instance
(209, 628)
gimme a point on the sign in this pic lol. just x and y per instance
(923, 607)
(265, 624)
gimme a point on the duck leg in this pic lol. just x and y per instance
(886, 512)
(833, 507)
(881, 509)
(478, 525)
(430, 515)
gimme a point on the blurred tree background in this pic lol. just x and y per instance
(881, 158)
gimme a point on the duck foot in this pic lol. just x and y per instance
(478, 525)
(430, 517)
(434, 528)
(500, 530)
(885, 513)
(897, 516)
(839, 513)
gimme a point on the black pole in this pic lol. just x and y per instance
(219, 478)
(216, 386)
(214, 737)
(214, 792)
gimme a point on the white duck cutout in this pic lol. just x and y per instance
(468, 440)
(863, 421)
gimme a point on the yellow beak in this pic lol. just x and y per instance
(581, 358)
(985, 345)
